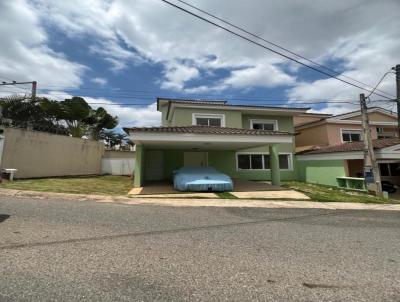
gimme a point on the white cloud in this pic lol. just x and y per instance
(177, 74)
(320, 30)
(129, 116)
(99, 81)
(264, 75)
(24, 54)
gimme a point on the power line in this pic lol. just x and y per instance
(376, 86)
(278, 46)
(268, 48)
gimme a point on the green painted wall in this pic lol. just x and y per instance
(320, 171)
(183, 116)
(139, 166)
(225, 160)
(222, 160)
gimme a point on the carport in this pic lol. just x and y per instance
(161, 150)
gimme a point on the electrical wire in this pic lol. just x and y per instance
(380, 81)
(278, 46)
(267, 48)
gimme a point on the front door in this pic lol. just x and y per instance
(154, 168)
(195, 159)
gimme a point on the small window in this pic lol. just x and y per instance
(216, 120)
(263, 125)
(244, 161)
(202, 121)
(284, 161)
(351, 136)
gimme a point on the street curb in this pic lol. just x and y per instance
(209, 202)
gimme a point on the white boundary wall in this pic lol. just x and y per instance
(118, 163)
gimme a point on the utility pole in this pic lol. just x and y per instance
(397, 69)
(34, 86)
(371, 169)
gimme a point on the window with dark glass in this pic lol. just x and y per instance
(244, 161)
(351, 136)
(266, 162)
(262, 161)
(264, 126)
(384, 168)
(284, 161)
(206, 121)
(394, 169)
(256, 161)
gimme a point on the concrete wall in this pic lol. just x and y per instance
(40, 154)
(322, 172)
(118, 162)
(317, 135)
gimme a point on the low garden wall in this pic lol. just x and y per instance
(324, 172)
(118, 162)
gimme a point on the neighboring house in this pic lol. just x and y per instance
(330, 148)
(247, 142)
(327, 130)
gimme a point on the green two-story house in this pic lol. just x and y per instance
(243, 141)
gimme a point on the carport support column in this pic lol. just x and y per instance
(274, 163)
(139, 166)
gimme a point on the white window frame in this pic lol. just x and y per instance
(350, 130)
(263, 121)
(263, 153)
(208, 115)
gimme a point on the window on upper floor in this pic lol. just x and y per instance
(385, 133)
(351, 136)
(200, 119)
(271, 125)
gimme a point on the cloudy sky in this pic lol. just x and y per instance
(131, 51)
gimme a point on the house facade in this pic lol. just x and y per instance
(246, 142)
(330, 148)
(328, 130)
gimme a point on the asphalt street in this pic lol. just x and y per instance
(55, 250)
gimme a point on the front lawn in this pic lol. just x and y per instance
(101, 185)
(333, 194)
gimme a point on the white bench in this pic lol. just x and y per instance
(11, 172)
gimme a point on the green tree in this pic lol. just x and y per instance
(113, 139)
(75, 112)
(98, 120)
(72, 116)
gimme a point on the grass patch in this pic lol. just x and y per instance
(333, 194)
(101, 185)
(225, 195)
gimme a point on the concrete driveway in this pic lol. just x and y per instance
(55, 250)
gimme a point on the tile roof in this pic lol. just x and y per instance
(205, 130)
(351, 147)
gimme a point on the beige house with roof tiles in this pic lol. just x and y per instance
(327, 130)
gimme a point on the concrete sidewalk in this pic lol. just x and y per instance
(210, 202)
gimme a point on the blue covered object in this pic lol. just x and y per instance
(201, 179)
